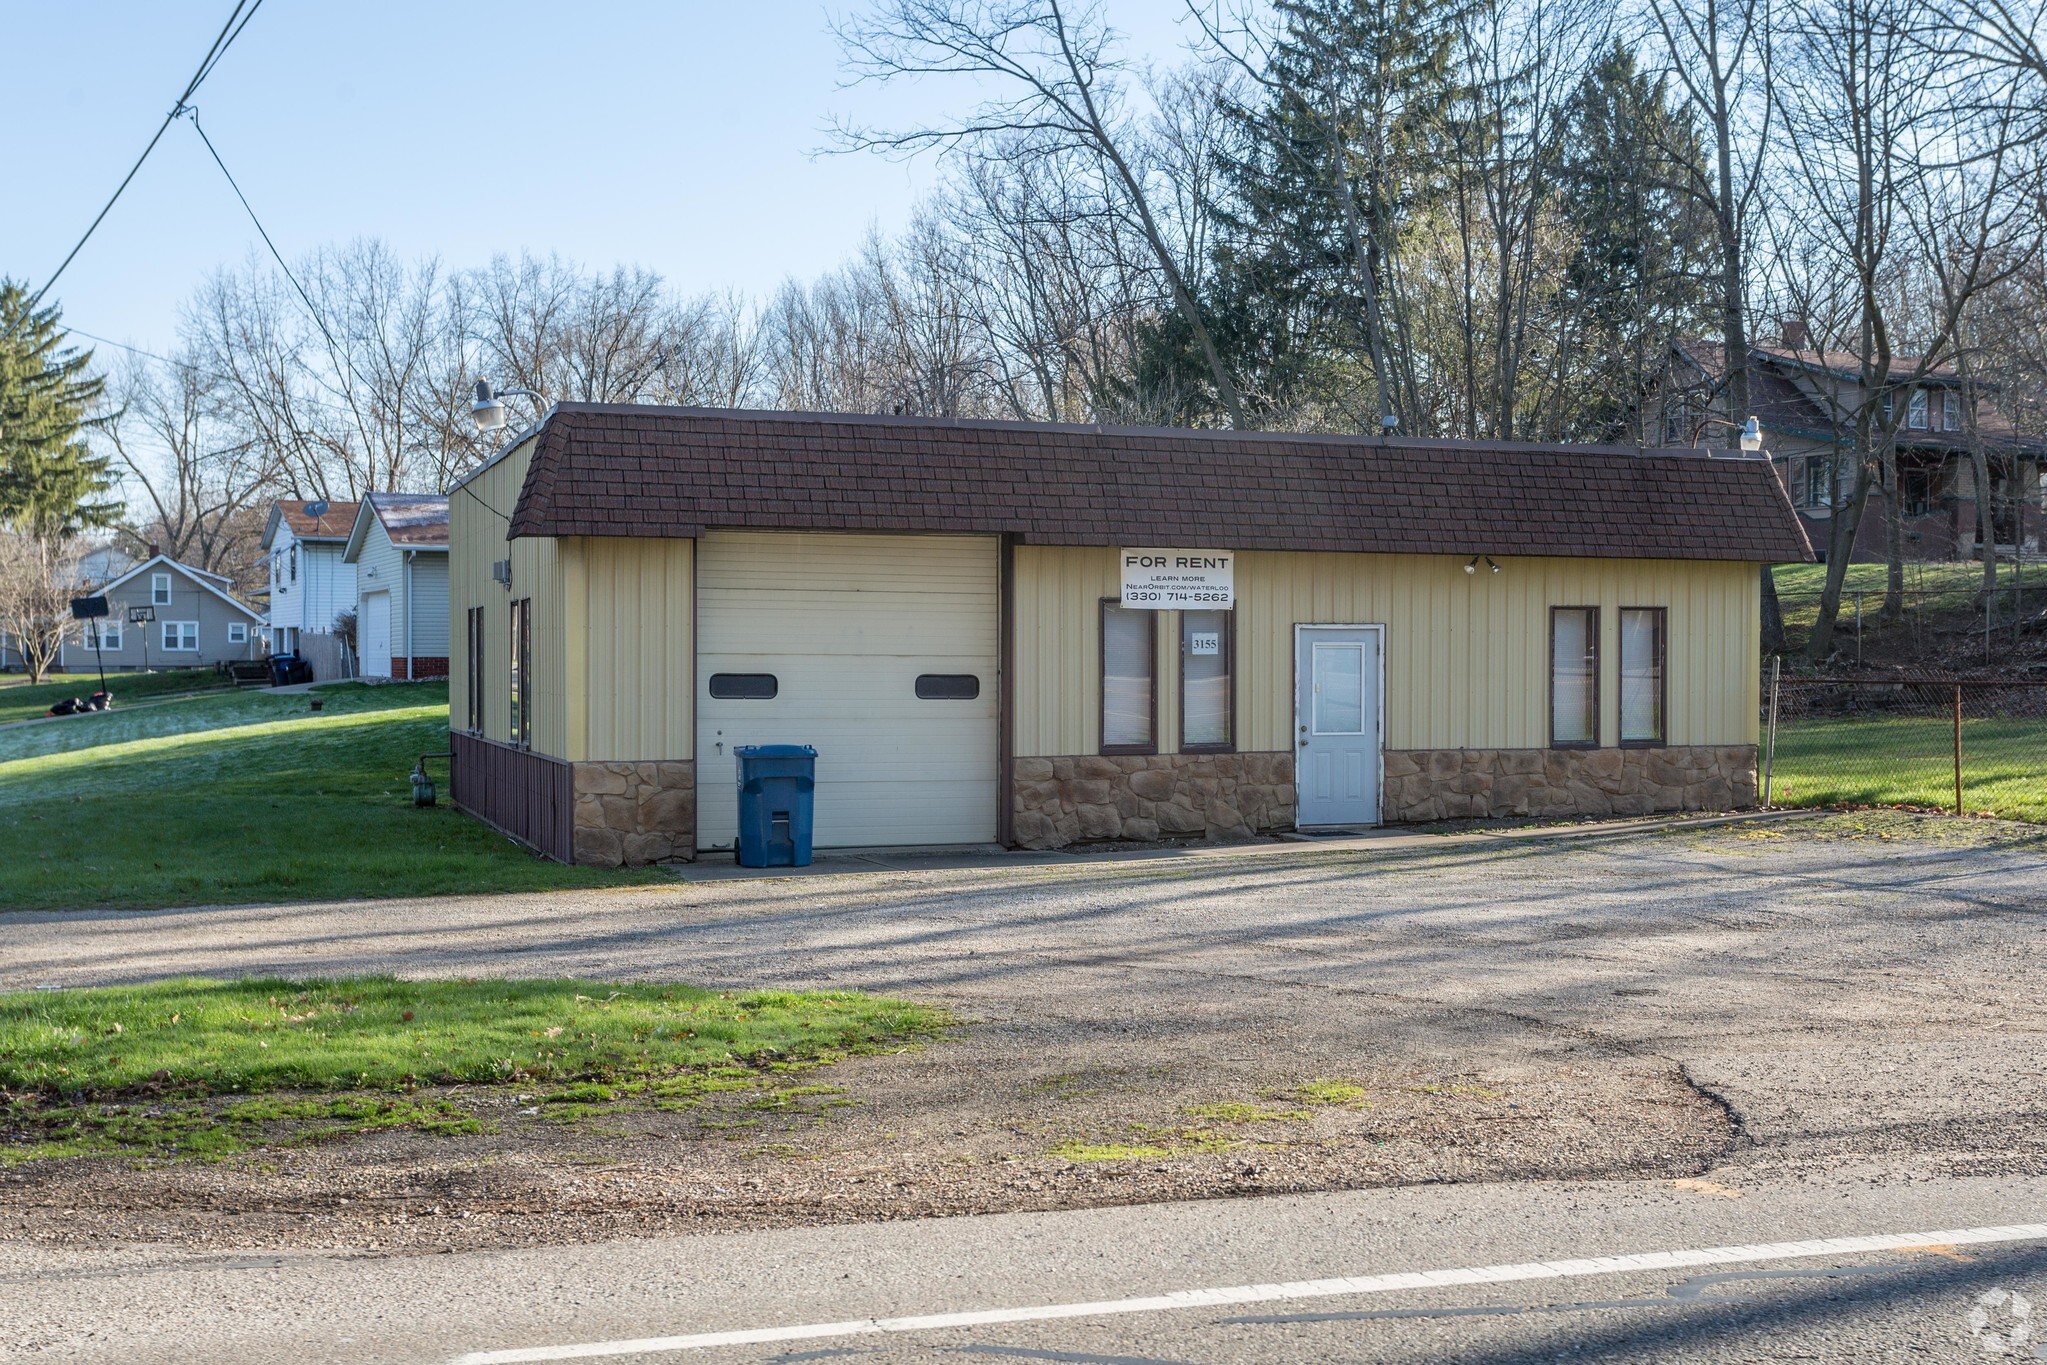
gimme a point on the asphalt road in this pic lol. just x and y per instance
(1957, 1299)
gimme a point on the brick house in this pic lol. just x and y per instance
(1807, 400)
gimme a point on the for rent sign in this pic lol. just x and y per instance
(1166, 580)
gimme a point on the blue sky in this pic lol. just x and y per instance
(678, 136)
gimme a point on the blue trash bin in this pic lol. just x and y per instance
(776, 784)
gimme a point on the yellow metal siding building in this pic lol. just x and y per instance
(687, 582)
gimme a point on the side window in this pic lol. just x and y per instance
(476, 672)
(1951, 411)
(745, 686)
(1207, 681)
(1915, 410)
(294, 560)
(160, 589)
(1129, 701)
(1643, 686)
(520, 663)
(238, 632)
(1574, 677)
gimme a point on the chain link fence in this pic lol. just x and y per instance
(1972, 746)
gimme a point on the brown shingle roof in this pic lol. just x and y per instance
(649, 471)
(333, 524)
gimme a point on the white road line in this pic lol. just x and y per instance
(1268, 1293)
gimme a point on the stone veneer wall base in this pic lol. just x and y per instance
(1095, 797)
(1459, 784)
(630, 814)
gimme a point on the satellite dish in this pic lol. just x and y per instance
(316, 510)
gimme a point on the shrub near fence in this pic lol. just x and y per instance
(1974, 746)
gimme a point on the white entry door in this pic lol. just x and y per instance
(1336, 725)
(376, 635)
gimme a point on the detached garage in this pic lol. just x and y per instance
(1041, 635)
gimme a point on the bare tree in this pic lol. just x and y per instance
(1057, 63)
(198, 482)
(38, 574)
(1893, 171)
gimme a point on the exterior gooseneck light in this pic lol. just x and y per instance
(1472, 567)
(1492, 564)
(488, 411)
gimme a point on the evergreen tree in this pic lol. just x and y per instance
(1638, 275)
(1345, 155)
(51, 483)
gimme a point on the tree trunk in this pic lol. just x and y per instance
(1773, 613)
(1840, 549)
(1894, 538)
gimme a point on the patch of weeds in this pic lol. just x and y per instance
(1456, 1090)
(1152, 1142)
(1332, 1090)
(1235, 1111)
(196, 1131)
(1106, 1151)
(1066, 1086)
(582, 1094)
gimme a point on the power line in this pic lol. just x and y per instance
(229, 31)
(278, 256)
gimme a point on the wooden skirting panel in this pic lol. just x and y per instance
(527, 795)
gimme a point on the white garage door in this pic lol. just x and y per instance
(851, 628)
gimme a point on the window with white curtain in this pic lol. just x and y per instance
(1574, 677)
(1642, 675)
(1130, 654)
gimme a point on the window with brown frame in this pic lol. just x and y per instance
(1574, 677)
(1208, 682)
(1130, 694)
(1645, 684)
(521, 666)
(476, 671)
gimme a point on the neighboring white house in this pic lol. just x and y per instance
(399, 550)
(310, 582)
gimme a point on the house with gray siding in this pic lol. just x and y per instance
(399, 550)
(164, 614)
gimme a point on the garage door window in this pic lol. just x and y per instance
(744, 686)
(947, 687)
(1130, 701)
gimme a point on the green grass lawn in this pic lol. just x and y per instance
(248, 797)
(21, 701)
(1963, 578)
(1909, 761)
(200, 1068)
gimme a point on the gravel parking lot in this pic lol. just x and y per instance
(1822, 992)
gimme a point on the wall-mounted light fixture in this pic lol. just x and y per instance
(1491, 565)
(488, 411)
(1472, 567)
